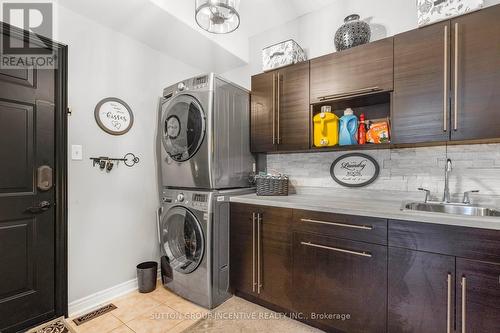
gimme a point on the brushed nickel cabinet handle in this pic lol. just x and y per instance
(253, 253)
(445, 89)
(336, 249)
(464, 303)
(455, 125)
(274, 108)
(279, 109)
(350, 93)
(345, 225)
(448, 306)
(259, 273)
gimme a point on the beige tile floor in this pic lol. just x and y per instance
(164, 312)
(157, 312)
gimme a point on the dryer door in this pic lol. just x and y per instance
(182, 240)
(183, 127)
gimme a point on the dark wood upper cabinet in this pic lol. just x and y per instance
(421, 85)
(280, 109)
(478, 296)
(338, 276)
(293, 107)
(361, 70)
(421, 296)
(476, 85)
(263, 113)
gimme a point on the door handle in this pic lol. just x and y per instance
(42, 207)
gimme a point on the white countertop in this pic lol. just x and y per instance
(374, 204)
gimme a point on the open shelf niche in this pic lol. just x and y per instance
(376, 107)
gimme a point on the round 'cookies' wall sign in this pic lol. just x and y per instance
(354, 170)
(114, 116)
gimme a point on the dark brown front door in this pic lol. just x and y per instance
(27, 198)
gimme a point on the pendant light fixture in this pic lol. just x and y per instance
(218, 16)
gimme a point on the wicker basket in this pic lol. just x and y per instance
(271, 185)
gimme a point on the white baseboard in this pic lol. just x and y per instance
(100, 298)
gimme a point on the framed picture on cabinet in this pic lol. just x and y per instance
(431, 11)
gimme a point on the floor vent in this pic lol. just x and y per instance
(94, 314)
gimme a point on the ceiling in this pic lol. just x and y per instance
(163, 24)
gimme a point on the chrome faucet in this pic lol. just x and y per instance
(447, 171)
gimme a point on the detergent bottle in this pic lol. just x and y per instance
(326, 128)
(348, 128)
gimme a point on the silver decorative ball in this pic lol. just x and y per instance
(352, 33)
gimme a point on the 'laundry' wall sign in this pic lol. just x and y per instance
(355, 170)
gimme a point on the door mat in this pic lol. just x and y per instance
(94, 314)
(58, 325)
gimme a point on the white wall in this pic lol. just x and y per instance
(315, 31)
(111, 216)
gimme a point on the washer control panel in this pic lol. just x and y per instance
(194, 200)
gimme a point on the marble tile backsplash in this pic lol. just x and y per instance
(475, 167)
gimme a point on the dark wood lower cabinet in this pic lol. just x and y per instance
(242, 248)
(340, 284)
(261, 253)
(276, 256)
(421, 292)
(478, 296)
(346, 281)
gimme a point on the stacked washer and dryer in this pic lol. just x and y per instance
(203, 159)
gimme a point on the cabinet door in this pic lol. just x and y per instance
(275, 256)
(421, 292)
(243, 258)
(293, 108)
(353, 71)
(476, 87)
(421, 85)
(478, 299)
(263, 113)
(334, 278)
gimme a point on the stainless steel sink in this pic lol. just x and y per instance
(451, 208)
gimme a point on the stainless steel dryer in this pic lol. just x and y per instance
(194, 238)
(203, 134)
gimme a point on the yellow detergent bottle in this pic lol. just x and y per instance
(326, 128)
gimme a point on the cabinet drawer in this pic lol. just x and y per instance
(465, 242)
(339, 276)
(366, 229)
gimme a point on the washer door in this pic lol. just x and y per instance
(182, 240)
(183, 127)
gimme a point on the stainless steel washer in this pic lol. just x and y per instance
(194, 238)
(203, 135)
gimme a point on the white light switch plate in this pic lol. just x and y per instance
(76, 152)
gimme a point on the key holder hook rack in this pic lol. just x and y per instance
(107, 163)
